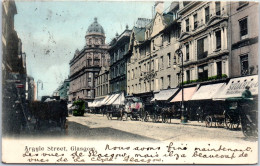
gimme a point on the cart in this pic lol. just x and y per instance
(247, 111)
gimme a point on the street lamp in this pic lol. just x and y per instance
(39, 82)
(183, 113)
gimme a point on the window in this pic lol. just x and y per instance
(206, 14)
(153, 45)
(187, 52)
(132, 74)
(96, 62)
(169, 81)
(187, 25)
(174, 60)
(243, 28)
(202, 72)
(201, 50)
(89, 62)
(195, 18)
(217, 4)
(244, 65)
(161, 82)
(188, 75)
(161, 62)
(169, 59)
(219, 69)
(218, 39)
(144, 67)
(152, 65)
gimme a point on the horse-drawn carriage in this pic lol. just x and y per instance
(117, 112)
(159, 111)
(47, 114)
(247, 112)
(225, 115)
(237, 110)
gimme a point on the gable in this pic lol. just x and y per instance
(157, 25)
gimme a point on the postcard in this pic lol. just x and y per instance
(129, 82)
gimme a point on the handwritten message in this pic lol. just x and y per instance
(170, 152)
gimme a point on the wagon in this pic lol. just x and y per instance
(116, 112)
(247, 112)
(50, 114)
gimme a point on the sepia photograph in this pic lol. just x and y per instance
(129, 82)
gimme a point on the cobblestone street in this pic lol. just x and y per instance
(98, 127)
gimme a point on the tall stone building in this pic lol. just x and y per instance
(86, 64)
(204, 40)
(244, 29)
(152, 65)
(102, 83)
(118, 51)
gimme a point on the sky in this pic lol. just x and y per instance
(51, 31)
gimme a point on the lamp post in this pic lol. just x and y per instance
(183, 113)
(39, 82)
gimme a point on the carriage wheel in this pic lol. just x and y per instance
(208, 121)
(228, 122)
(236, 123)
(248, 130)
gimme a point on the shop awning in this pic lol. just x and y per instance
(164, 95)
(109, 98)
(120, 100)
(236, 86)
(103, 101)
(188, 93)
(112, 99)
(206, 92)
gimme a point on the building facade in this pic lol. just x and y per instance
(118, 51)
(85, 65)
(244, 23)
(102, 83)
(64, 89)
(152, 65)
(204, 40)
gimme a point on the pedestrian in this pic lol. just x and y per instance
(247, 93)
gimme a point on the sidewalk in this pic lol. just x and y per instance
(189, 123)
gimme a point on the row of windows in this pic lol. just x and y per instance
(158, 84)
(102, 90)
(206, 16)
(153, 65)
(102, 78)
(117, 70)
